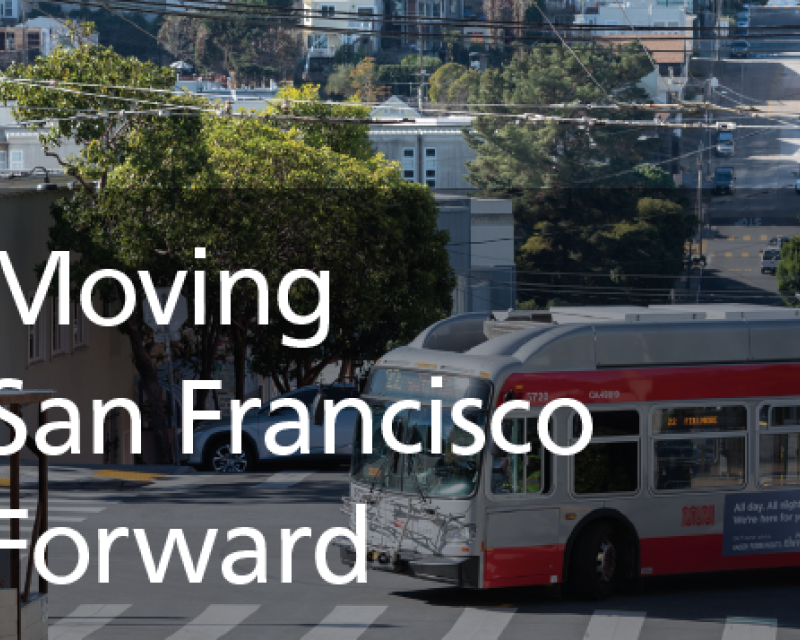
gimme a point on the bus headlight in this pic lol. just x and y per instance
(463, 533)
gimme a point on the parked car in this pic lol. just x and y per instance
(724, 180)
(743, 22)
(212, 439)
(769, 260)
(797, 186)
(725, 144)
(740, 48)
(778, 241)
(741, 33)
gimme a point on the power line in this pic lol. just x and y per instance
(226, 13)
(412, 19)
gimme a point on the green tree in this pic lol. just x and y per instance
(257, 193)
(429, 63)
(443, 79)
(252, 51)
(574, 220)
(164, 148)
(789, 269)
(339, 82)
(364, 82)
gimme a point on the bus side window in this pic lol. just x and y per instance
(610, 462)
(516, 472)
(779, 446)
(697, 448)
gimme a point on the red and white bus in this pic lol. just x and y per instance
(693, 466)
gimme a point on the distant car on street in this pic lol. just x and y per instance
(769, 260)
(778, 241)
(724, 181)
(212, 439)
(725, 144)
(743, 22)
(740, 48)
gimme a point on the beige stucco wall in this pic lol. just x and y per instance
(101, 370)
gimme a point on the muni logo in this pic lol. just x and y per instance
(698, 516)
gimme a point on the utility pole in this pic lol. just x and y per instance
(24, 32)
(700, 204)
(719, 28)
(420, 44)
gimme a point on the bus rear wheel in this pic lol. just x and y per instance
(597, 563)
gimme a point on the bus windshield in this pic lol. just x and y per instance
(443, 475)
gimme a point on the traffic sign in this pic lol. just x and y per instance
(179, 316)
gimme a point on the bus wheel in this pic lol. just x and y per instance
(597, 562)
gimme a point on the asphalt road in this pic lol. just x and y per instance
(766, 165)
(752, 606)
(764, 41)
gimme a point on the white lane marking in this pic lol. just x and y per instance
(86, 619)
(215, 622)
(284, 480)
(75, 501)
(615, 625)
(345, 623)
(56, 518)
(481, 624)
(71, 509)
(750, 629)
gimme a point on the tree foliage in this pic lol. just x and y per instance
(574, 221)
(789, 268)
(257, 193)
(254, 51)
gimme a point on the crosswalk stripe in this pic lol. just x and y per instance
(345, 623)
(31, 504)
(750, 629)
(215, 622)
(615, 625)
(480, 624)
(73, 501)
(86, 619)
(284, 480)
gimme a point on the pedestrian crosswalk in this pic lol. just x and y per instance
(354, 622)
(85, 620)
(284, 480)
(62, 511)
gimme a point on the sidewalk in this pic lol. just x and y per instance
(93, 477)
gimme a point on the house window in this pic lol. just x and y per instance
(430, 167)
(16, 160)
(327, 10)
(79, 333)
(10, 42)
(3, 159)
(58, 333)
(8, 9)
(409, 164)
(35, 337)
(33, 39)
(699, 448)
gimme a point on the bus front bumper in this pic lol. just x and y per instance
(458, 571)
